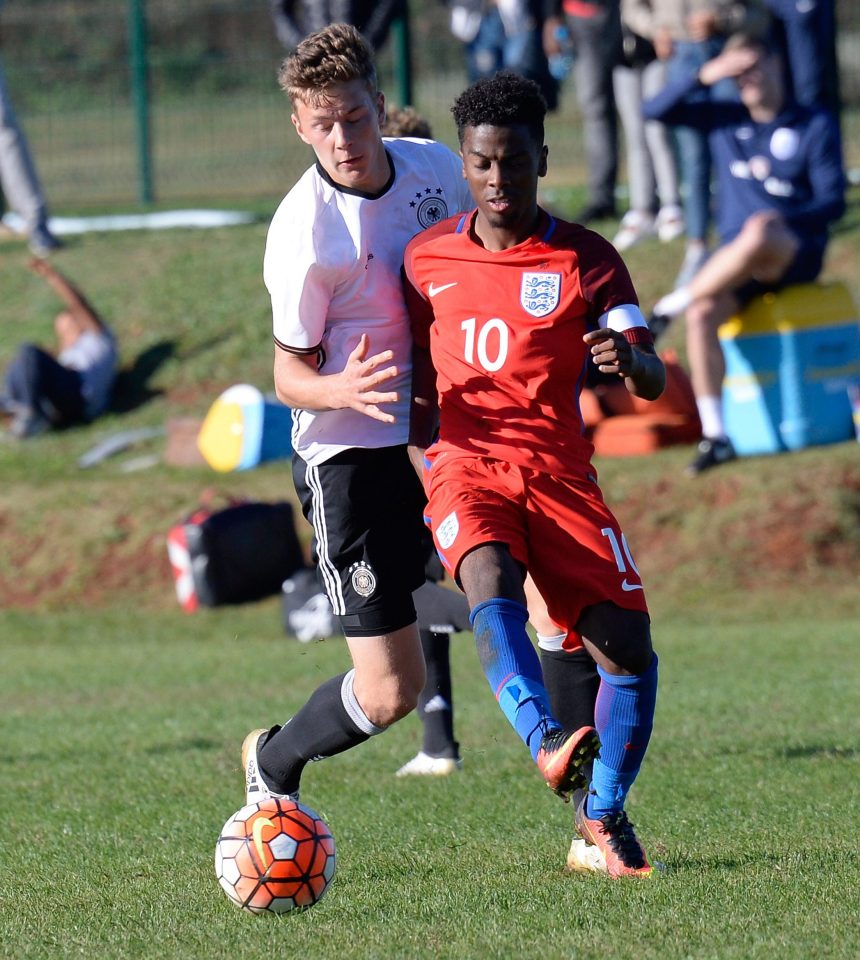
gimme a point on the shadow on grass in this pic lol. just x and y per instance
(132, 389)
(185, 745)
(819, 750)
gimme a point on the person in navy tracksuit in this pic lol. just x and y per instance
(780, 184)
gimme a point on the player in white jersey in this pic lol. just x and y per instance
(342, 362)
(341, 279)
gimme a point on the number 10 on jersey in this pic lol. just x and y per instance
(489, 342)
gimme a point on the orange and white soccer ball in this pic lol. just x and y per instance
(275, 855)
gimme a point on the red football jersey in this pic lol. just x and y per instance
(505, 334)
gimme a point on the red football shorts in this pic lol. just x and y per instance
(559, 529)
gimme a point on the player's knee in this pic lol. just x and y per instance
(755, 232)
(618, 639)
(635, 658)
(702, 317)
(391, 699)
(383, 713)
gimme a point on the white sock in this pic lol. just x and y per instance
(711, 415)
(553, 642)
(673, 303)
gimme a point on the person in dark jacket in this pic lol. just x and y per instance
(780, 186)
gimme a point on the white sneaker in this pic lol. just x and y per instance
(670, 222)
(636, 225)
(584, 858)
(423, 765)
(255, 789)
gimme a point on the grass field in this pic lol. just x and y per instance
(122, 717)
(120, 764)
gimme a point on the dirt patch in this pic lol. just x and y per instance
(752, 530)
(770, 524)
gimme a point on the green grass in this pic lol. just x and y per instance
(120, 765)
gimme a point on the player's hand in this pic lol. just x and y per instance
(359, 381)
(611, 352)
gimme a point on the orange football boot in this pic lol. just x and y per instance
(610, 846)
(564, 757)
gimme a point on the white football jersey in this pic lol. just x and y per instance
(332, 268)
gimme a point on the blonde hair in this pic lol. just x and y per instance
(406, 122)
(336, 54)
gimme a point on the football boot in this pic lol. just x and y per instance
(607, 844)
(564, 758)
(255, 788)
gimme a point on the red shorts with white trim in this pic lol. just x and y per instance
(559, 529)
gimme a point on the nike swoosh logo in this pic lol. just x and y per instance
(627, 587)
(257, 829)
(433, 289)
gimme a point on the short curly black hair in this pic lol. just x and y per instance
(506, 99)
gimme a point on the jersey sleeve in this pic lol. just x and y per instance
(299, 285)
(418, 257)
(604, 277)
(417, 305)
(826, 177)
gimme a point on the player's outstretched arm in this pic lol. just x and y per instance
(298, 383)
(638, 364)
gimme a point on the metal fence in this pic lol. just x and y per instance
(214, 125)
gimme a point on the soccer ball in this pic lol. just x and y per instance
(275, 855)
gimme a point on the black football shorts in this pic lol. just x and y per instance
(366, 509)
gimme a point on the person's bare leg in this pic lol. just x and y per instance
(389, 674)
(763, 250)
(704, 353)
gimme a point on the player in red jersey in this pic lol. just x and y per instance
(509, 306)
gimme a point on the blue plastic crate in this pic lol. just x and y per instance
(791, 357)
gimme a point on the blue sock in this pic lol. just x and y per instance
(624, 717)
(512, 668)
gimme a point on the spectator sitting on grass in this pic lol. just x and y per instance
(43, 391)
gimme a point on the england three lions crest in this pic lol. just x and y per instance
(539, 293)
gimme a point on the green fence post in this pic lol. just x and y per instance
(140, 96)
(403, 56)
